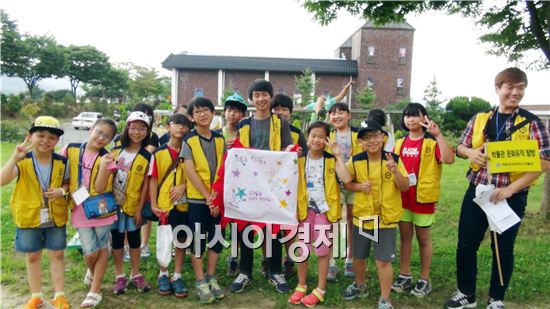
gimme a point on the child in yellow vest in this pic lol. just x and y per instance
(345, 136)
(202, 152)
(422, 152)
(379, 177)
(38, 205)
(94, 234)
(129, 163)
(169, 198)
(318, 208)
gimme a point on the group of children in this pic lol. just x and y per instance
(381, 189)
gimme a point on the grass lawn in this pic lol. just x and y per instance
(530, 285)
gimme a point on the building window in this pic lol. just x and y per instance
(370, 82)
(402, 55)
(370, 54)
(400, 83)
(297, 98)
(199, 92)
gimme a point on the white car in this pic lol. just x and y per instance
(85, 120)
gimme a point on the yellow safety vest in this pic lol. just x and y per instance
(201, 163)
(73, 156)
(27, 197)
(274, 132)
(295, 134)
(136, 176)
(429, 175)
(163, 160)
(332, 189)
(522, 133)
(355, 146)
(390, 209)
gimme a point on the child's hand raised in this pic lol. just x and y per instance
(107, 159)
(334, 148)
(431, 126)
(391, 165)
(22, 149)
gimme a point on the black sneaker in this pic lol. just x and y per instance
(422, 288)
(495, 304)
(459, 301)
(240, 282)
(279, 282)
(402, 283)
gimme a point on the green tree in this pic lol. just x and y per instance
(9, 41)
(113, 85)
(514, 27)
(459, 110)
(144, 83)
(433, 101)
(85, 64)
(226, 92)
(306, 84)
(38, 57)
(366, 97)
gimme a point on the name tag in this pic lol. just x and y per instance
(412, 179)
(44, 215)
(182, 200)
(80, 195)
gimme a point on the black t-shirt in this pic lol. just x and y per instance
(493, 129)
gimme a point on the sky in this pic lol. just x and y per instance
(145, 33)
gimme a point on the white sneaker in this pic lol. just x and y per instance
(145, 252)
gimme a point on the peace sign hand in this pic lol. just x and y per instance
(431, 126)
(22, 149)
(106, 159)
(334, 148)
(391, 165)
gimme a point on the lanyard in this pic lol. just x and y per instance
(381, 179)
(499, 130)
(43, 180)
(81, 165)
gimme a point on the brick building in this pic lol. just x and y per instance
(377, 56)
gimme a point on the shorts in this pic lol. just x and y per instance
(94, 238)
(317, 223)
(346, 197)
(384, 248)
(35, 239)
(199, 214)
(176, 218)
(125, 223)
(420, 220)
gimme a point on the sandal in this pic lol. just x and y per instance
(314, 298)
(92, 300)
(296, 297)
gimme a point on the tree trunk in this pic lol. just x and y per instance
(545, 205)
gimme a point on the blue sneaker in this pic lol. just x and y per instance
(240, 282)
(179, 288)
(354, 291)
(279, 282)
(165, 288)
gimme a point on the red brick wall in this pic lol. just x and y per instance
(240, 80)
(331, 83)
(191, 79)
(386, 68)
(283, 83)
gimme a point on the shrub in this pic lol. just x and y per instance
(10, 132)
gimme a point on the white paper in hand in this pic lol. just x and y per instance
(500, 216)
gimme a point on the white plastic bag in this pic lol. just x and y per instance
(164, 245)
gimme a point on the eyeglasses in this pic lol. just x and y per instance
(177, 125)
(198, 112)
(102, 134)
(371, 137)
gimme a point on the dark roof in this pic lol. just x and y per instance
(204, 62)
(402, 26)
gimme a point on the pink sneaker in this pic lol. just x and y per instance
(138, 281)
(121, 285)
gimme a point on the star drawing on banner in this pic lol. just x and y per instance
(241, 194)
(283, 203)
(284, 180)
(255, 173)
(236, 173)
(287, 192)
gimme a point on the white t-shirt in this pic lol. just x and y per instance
(123, 166)
(315, 184)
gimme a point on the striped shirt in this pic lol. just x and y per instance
(501, 180)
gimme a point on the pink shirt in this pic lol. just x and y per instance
(78, 217)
